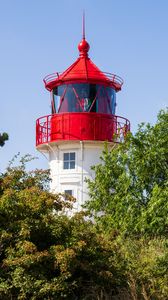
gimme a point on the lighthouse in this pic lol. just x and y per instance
(82, 119)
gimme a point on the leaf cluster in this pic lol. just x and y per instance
(130, 188)
(120, 253)
(44, 254)
(3, 137)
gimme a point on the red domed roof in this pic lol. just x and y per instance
(83, 70)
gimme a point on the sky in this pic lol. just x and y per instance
(38, 37)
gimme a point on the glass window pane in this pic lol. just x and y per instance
(69, 192)
(106, 98)
(64, 105)
(69, 160)
(66, 165)
(58, 93)
(102, 99)
(113, 100)
(75, 98)
(72, 165)
(84, 97)
(70, 98)
(72, 156)
(92, 96)
(81, 92)
(66, 156)
(57, 102)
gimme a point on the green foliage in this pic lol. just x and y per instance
(3, 137)
(130, 188)
(122, 255)
(146, 270)
(43, 253)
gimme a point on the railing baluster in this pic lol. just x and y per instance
(120, 126)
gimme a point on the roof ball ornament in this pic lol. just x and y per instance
(83, 46)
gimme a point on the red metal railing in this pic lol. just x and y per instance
(111, 77)
(81, 126)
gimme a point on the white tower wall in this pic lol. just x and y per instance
(87, 154)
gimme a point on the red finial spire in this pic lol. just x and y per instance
(83, 45)
(83, 25)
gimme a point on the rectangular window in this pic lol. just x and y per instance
(69, 192)
(69, 160)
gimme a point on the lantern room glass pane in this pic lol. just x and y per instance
(103, 101)
(84, 97)
(112, 96)
(106, 100)
(58, 93)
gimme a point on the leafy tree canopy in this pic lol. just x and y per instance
(123, 254)
(3, 137)
(44, 254)
(130, 189)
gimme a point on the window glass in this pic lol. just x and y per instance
(66, 165)
(85, 94)
(69, 192)
(69, 100)
(75, 98)
(92, 96)
(113, 102)
(66, 156)
(112, 97)
(69, 160)
(72, 156)
(58, 93)
(84, 97)
(102, 100)
(72, 165)
(106, 100)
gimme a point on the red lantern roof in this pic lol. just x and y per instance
(83, 70)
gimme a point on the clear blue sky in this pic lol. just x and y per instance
(38, 37)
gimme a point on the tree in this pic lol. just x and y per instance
(3, 137)
(129, 203)
(121, 254)
(130, 188)
(43, 253)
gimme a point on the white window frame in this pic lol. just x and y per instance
(69, 161)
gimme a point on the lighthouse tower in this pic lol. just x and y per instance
(83, 103)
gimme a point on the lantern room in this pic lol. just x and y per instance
(83, 104)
